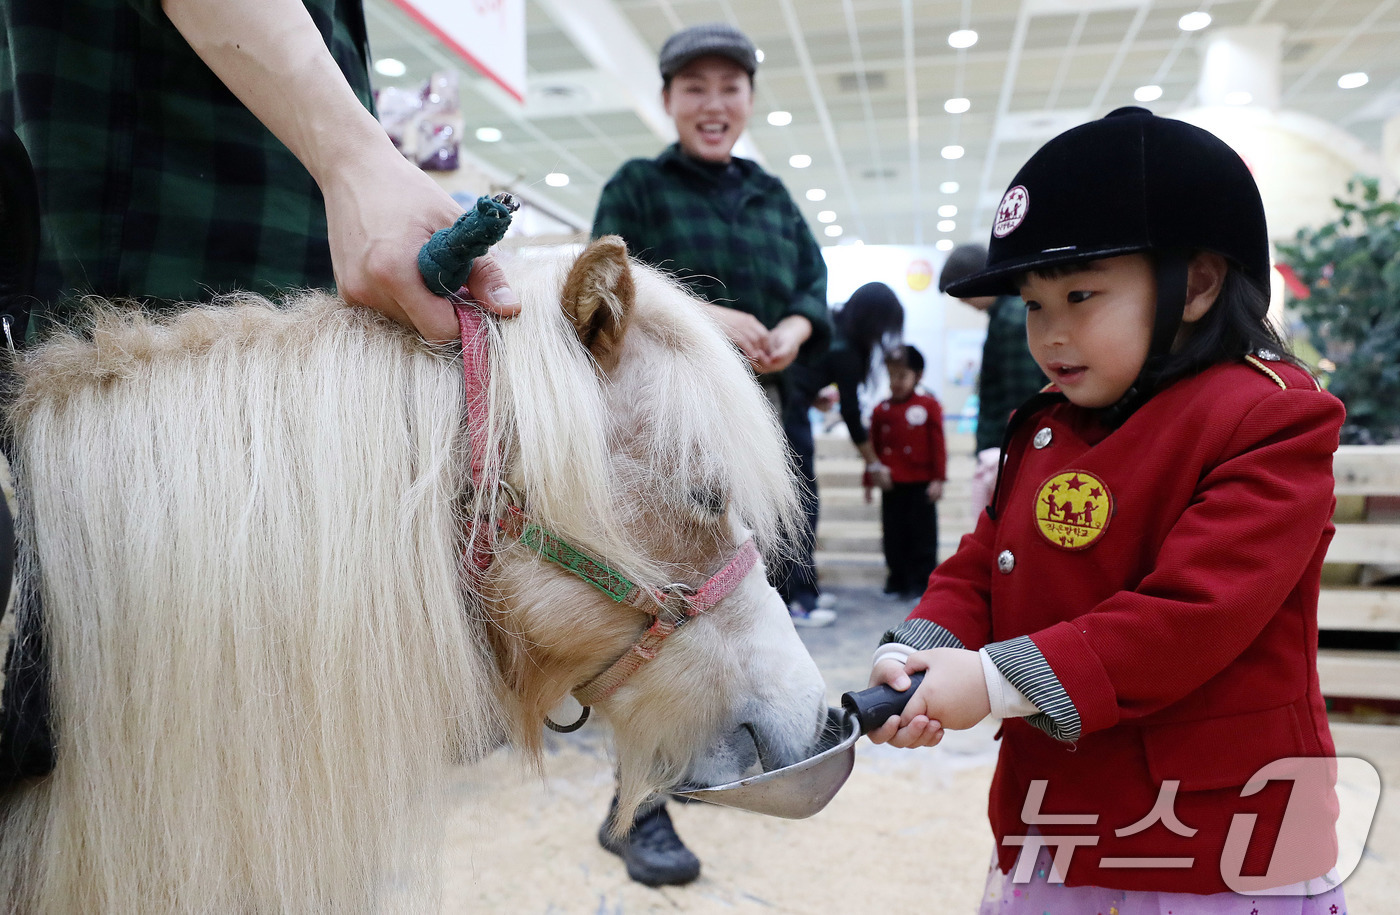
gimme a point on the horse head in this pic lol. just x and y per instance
(635, 433)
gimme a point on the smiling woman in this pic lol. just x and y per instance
(711, 101)
(731, 234)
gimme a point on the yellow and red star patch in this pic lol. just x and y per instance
(1072, 509)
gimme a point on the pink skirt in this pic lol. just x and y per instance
(1039, 896)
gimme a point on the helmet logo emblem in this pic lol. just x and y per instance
(1012, 211)
(1072, 509)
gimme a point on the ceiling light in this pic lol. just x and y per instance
(816, 194)
(949, 187)
(833, 231)
(388, 66)
(956, 105)
(946, 225)
(952, 152)
(1352, 80)
(758, 54)
(800, 161)
(1193, 22)
(1147, 93)
(962, 38)
(826, 216)
(780, 118)
(488, 134)
(944, 244)
(556, 179)
(947, 210)
(1238, 97)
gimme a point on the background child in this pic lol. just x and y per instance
(1139, 603)
(906, 433)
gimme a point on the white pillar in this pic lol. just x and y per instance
(1390, 149)
(1241, 66)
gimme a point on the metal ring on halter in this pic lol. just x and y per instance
(568, 728)
(675, 602)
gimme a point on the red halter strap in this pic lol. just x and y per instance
(675, 606)
(476, 375)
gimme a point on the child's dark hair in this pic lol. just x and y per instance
(906, 356)
(1236, 325)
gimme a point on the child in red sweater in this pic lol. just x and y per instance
(907, 434)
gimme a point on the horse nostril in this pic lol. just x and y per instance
(760, 749)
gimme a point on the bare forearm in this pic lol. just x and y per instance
(272, 57)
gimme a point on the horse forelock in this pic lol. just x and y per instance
(679, 415)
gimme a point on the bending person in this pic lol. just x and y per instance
(867, 326)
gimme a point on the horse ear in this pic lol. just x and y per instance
(598, 298)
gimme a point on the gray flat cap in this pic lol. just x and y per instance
(716, 38)
(963, 261)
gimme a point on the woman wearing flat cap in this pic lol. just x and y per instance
(732, 234)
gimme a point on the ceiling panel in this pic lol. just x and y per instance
(1068, 57)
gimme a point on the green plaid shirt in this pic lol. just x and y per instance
(732, 236)
(155, 182)
(1009, 373)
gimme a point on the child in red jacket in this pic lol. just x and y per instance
(906, 432)
(1138, 605)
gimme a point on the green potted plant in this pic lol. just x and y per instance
(1351, 268)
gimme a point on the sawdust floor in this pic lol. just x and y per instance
(908, 832)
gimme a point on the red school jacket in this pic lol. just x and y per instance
(907, 436)
(1168, 572)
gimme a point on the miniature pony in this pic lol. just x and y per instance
(251, 531)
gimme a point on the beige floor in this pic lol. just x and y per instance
(907, 826)
(908, 833)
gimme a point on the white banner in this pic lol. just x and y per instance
(488, 34)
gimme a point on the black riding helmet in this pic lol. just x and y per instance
(1128, 183)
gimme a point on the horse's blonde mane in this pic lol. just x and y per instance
(307, 708)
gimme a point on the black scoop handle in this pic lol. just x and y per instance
(874, 706)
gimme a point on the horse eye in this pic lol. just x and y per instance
(712, 501)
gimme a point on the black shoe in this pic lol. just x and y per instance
(655, 855)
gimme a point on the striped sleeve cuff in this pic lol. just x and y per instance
(921, 634)
(1021, 662)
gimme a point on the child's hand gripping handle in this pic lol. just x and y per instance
(445, 260)
(873, 707)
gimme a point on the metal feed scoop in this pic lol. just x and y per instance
(804, 788)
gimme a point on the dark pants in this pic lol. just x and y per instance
(26, 741)
(796, 580)
(909, 524)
